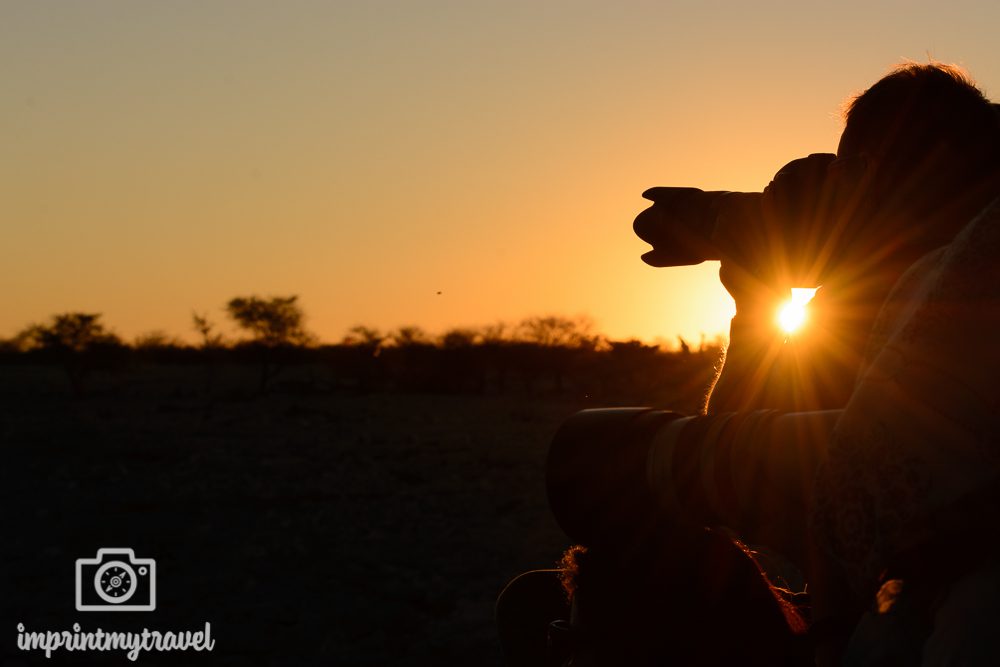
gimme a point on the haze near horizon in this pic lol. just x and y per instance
(437, 164)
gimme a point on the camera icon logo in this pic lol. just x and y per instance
(115, 581)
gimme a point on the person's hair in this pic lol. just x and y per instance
(696, 599)
(917, 108)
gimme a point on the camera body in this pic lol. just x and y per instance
(115, 580)
(782, 230)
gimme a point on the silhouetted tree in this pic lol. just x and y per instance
(409, 336)
(557, 341)
(77, 340)
(273, 323)
(558, 331)
(155, 340)
(76, 332)
(366, 337)
(459, 337)
(205, 328)
(493, 333)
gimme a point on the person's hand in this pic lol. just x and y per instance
(797, 210)
(773, 242)
(747, 253)
(752, 292)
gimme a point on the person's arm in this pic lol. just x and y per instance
(767, 246)
(909, 449)
(754, 368)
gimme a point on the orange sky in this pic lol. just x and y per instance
(161, 158)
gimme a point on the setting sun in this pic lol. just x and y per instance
(794, 312)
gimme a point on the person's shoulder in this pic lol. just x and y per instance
(968, 265)
(903, 299)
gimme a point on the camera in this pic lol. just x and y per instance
(115, 581)
(616, 473)
(683, 222)
(780, 230)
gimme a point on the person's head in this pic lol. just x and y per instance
(920, 114)
(692, 599)
(919, 156)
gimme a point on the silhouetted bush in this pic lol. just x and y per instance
(276, 328)
(78, 342)
(553, 356)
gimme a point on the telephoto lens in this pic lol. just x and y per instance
(596, 473)
(685, 225)
(612, 474)
(679, 225)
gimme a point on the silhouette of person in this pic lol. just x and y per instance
(631, 608)
(908, 260)
(914, 163)
(903, 240)
(911, 475)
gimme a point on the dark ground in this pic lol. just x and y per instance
(309, 528)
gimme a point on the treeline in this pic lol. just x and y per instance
(550, 355)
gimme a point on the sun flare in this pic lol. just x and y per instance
(792, 314)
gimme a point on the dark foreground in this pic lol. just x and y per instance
(308, 528)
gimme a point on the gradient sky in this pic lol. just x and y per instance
(163, 157)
